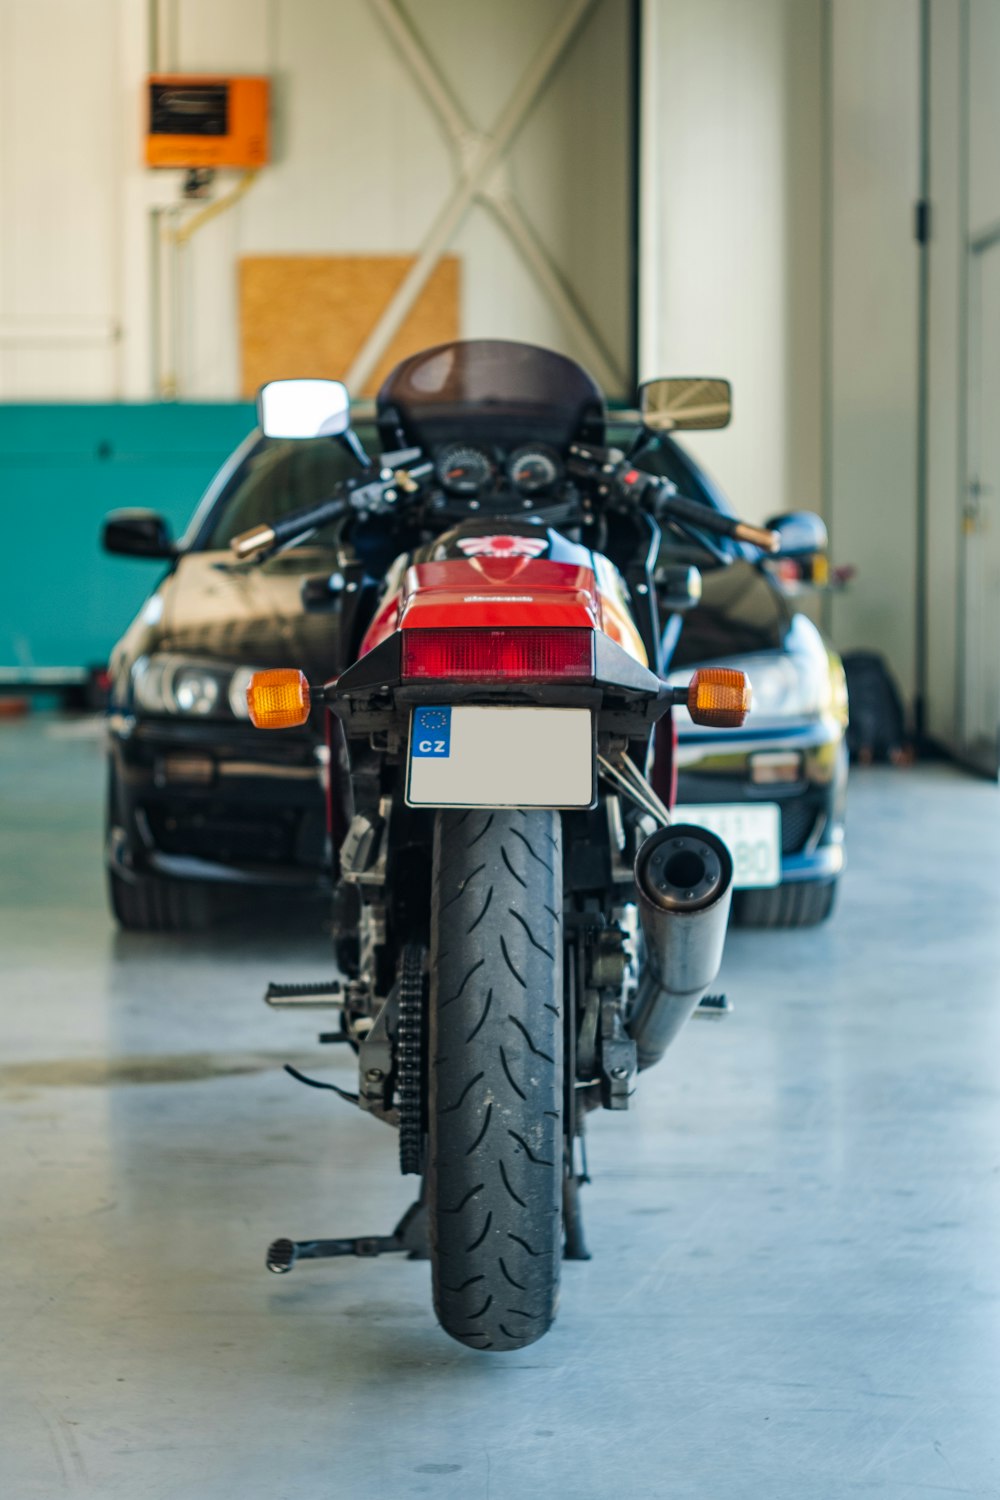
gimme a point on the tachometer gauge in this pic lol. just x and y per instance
(533, 470)
(462, 469)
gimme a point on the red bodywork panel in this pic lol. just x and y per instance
(663, 770)
(487, 593)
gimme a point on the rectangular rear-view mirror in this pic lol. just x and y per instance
(685, 402)
(303, 408)
(137, 533)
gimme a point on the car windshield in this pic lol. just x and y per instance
(276, 478)
(493, 390)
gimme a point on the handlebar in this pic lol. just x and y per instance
(679, 508)
(603, 469)
(261, 539)
(609, 472)
(363, 495)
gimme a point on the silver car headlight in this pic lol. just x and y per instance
(165, 684)
(786, 685)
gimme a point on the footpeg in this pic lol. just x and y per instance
(714, 1006)
(283, 1254)
(304, 996)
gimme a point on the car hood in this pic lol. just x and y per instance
(249, 616)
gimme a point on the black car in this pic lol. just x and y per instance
(202, 806)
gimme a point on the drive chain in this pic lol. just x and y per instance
(410, 1061)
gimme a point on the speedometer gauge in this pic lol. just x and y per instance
(533, 469)
(462, 469)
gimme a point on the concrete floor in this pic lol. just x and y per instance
(796, 1283)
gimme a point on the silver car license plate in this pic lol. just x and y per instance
(752, 833)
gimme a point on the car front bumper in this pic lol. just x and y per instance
(718, 766)
(216, 802)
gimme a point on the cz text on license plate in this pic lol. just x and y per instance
(752, 833)
(463, 755)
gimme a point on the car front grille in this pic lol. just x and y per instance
(798, 818)
(229, 834)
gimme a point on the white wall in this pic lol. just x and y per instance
(983, 115)
(965, 190)
(874, 355)
(361, 165)
(60, 172)
(874, 185)
(946, 366)
(732, 238)
(781, 144)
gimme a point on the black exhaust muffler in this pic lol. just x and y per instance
(684, 884)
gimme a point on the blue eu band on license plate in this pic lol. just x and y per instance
(431, 733)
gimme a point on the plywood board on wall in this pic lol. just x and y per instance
(310, 314)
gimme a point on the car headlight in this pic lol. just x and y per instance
(165, 684)
(785, 685)
(195, 690)
(238, 684)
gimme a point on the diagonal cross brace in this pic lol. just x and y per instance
(479, 156)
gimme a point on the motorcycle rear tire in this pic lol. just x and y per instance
(495, 1162)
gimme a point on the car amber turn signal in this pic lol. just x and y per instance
(278, 699)
(719, 697)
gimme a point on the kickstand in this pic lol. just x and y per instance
(408, 1238)
(575, 1244)
(411, 1231)
(575, 1247)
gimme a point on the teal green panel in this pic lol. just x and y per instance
(63, 602)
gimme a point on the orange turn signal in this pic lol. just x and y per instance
(719, 696)
(278, 699)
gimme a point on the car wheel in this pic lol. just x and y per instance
(151, 904)
(803, 904)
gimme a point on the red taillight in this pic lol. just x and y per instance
(517, 654)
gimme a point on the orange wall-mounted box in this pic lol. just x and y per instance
(196, 120)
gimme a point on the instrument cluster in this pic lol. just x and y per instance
(467, 471)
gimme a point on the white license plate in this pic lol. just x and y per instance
(467, 756)
(752, 833)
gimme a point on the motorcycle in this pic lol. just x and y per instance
(520, 927)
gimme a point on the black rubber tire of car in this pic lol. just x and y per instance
(495, 1160)
(152, 904)
(803, 904)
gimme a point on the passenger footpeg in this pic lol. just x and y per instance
(304, 996)
(408, 1238)
(714, 1006)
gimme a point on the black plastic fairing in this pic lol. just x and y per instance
(372, 692)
